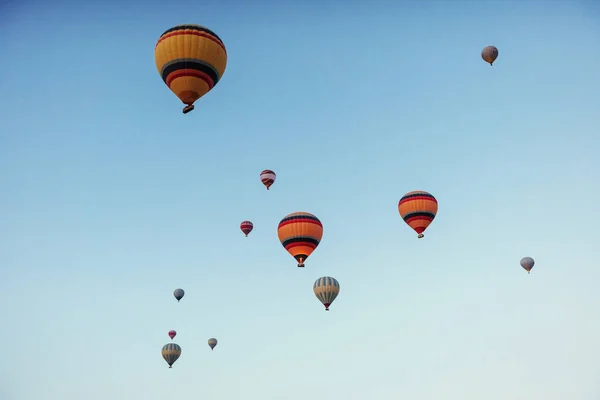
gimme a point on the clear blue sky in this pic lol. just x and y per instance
(111, 198)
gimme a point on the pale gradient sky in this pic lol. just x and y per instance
(111, 198)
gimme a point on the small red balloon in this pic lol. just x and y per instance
(172, 334)
(246, 227)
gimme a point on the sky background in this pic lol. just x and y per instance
(110, 198)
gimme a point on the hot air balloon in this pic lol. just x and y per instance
(527, 263)
(171, 353)
(418, 209)
(212, 342)
(191, 60)
(267, 177)
(489, 54)
(246, 227)
(300, 233)
(326, 289)
(178, 293)
(172, 334)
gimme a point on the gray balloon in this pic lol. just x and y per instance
(489, 54)
(527, 263)
(212, 342)
(178, 293)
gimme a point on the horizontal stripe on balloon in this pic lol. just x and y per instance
(418, 215)
(418, 196)
(300, 219)
(192, 30)
(190, 65)
(300, 241)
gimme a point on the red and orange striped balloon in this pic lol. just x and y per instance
(418, 209)
(191, 60)
(300, 233)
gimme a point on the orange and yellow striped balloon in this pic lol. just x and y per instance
(191, 60)
(418, 209)
(300, 233)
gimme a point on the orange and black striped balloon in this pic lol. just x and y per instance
(300, 233)
(418, 209)
(191, 60)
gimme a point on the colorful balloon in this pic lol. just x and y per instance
(418, 209)
(326, 289)
(212, 342)
(489, 54)
(300, 233)
(172, 334)
(246, 227)
(191, 60)
(527, 263)
(267, 177)
(171, 353)
(178, 293)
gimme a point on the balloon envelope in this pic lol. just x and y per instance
(418, 209)
(527, 263)
(179, 293)
(172, 334)
(326, 289)
(212, 342)
(246, 227)
(191, 60)
(171, 353)
(300, 233)
(267, 177)
(489, 54)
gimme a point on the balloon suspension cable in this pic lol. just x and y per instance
(188, 108)
(420, 236)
